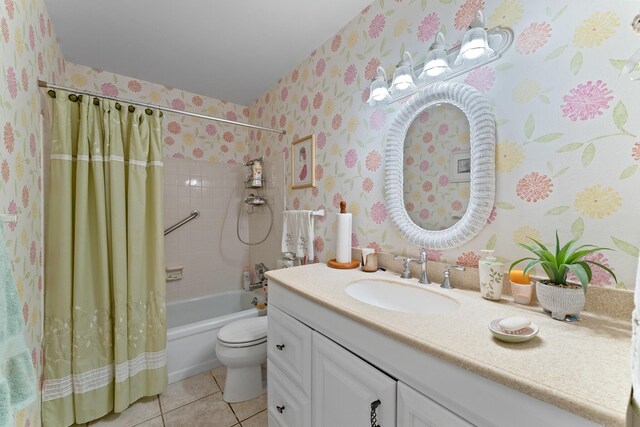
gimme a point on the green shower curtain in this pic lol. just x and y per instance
(105, 329)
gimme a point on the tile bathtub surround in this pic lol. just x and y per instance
(558, 166)
(207, 247)
(195, 401)
(28, 52)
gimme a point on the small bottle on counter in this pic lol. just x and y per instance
(491, 276)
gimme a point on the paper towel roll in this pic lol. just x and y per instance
(343, 237)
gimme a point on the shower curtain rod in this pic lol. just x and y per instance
(44, 84)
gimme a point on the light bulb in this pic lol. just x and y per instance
(378, 91)
(436, 61)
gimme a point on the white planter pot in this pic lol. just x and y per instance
(560, 301)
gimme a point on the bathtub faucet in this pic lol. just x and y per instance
(262, 281)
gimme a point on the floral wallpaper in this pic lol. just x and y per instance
(567, 150)
(434, 197)
(29, 52)
(184, 136)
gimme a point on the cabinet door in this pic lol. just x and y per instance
(288, 405)
(417, 410)
(345, 386)
(289, 348)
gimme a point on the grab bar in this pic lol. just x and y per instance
(194, 215)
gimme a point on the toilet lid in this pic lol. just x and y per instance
(244, 331)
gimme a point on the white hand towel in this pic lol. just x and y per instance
(297, 233)
(635, 344)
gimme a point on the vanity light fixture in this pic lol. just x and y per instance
(436, 61)
(403, 76)
(475, 43)
(379, 91)
(479, 47)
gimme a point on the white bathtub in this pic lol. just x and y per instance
(192, 330)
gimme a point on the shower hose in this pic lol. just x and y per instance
(238, 225)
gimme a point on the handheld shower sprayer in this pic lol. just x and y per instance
(254, 203)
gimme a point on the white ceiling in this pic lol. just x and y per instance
(232, 50)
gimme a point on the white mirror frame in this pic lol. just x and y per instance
(482, 131)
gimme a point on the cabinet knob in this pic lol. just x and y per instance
(280, 408)
(280, 347)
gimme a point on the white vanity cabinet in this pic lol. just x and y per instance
(417, 410)
(288, 370)
(325, 370)
(346, 389)
(312, 381)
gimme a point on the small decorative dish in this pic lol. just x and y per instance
(522, 335)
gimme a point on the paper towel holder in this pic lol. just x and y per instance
(343, 265)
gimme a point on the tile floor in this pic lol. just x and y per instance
(193, 402)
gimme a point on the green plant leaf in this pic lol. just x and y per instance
(505, 205)
(588, 154)
(587, 269)
(627, 172)
(545, 99)
(529, 126)
(626, 247)
(557, 210)
(513, 264)
(579, 254)
(565, 252)
(576, 63)
(580, 273)
(569, 147)
(530, 265)
(604, 267)
(557, 52)
(543, 247)
(491, 244)
(620, 115)
(548, 137)
(577, 228)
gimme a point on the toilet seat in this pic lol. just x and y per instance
(242, 344)
(244, 333)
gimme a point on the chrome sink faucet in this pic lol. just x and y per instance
(424, 278)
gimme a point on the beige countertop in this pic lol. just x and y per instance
(582, 367)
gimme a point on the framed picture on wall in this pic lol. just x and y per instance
(303, 162)
(460, 166)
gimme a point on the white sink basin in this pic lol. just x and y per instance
(395, 296)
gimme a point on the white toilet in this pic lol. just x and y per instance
(242, 348)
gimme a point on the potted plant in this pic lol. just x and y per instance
(555, 295)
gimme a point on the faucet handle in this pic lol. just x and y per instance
(406, 274)
(446, 283)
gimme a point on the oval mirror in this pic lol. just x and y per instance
(440, 166)
(437, 167)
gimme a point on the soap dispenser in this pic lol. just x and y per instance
(491, 276)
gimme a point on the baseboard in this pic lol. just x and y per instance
(193, 370)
